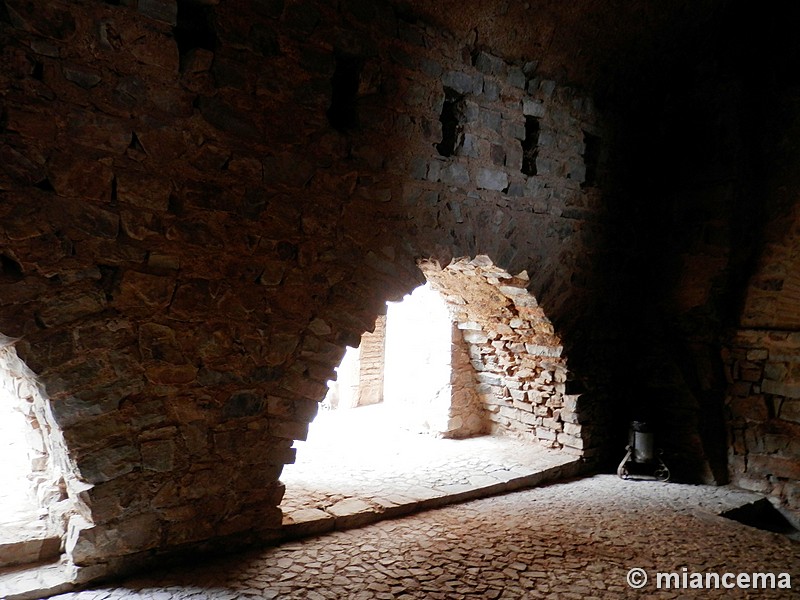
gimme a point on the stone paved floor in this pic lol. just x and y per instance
(574, 540)
(361, 454)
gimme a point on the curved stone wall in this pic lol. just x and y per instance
(201, 209)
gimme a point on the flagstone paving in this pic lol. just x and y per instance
(574, 540)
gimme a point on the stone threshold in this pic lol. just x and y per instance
(27, 542)
(29, 558)
(42, 580)
(357, 512)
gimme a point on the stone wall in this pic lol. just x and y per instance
(371, 359)
(763, 414)
(201, 209)
(467, 414)
(515, 355)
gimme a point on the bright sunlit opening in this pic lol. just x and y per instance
(417, 376)
(15, 494)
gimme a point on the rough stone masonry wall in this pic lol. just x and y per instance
(190, 234)
(763, 414)
(515, 355)
(467, 414)
(371, 361)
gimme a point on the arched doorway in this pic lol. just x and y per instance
(504, 376)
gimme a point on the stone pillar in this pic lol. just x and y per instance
(467, 416)
(373, 359)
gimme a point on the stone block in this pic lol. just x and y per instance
(776, 466)
(74, 177)
(491, 91)
(309, 521)
(455, 174)
(570, 441)
(470, 146)
(790, 410)
(99, 131)
(352, 512)
(516, 78)
(490, 119)
(290, 430)
(304, 387)
(489, 64)
(143, 191)
(72, 306)
(757, 354)
(168, 374)
(547, 351)
(296, 410)
(752, 408)
(160, 10)
(776, 371)
(244, 403)
(158, 456)
(139, 290)
(108, 463)
(490, 179)
(67, 410)
(778, 388)
(462, 83)
(545, 434)
(475, 337)
(533, 108)
(234, 121)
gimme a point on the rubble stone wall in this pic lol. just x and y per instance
(203, 204)
(763, 414)
(514, 352)
(467, 414)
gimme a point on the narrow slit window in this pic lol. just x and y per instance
(452, 120)
(343, 111)
(530, 145)
(591, 158)
(195, 27)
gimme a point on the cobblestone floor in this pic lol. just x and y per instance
(362, 454)
(574, 540)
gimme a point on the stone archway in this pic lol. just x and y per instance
(506, 380)
(506, 368)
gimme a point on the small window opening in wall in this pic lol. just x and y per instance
(452, 120)
(38, 71)
(343, 111)
(195, 27)
(530, 145)
(10, 270)
(591, 158)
